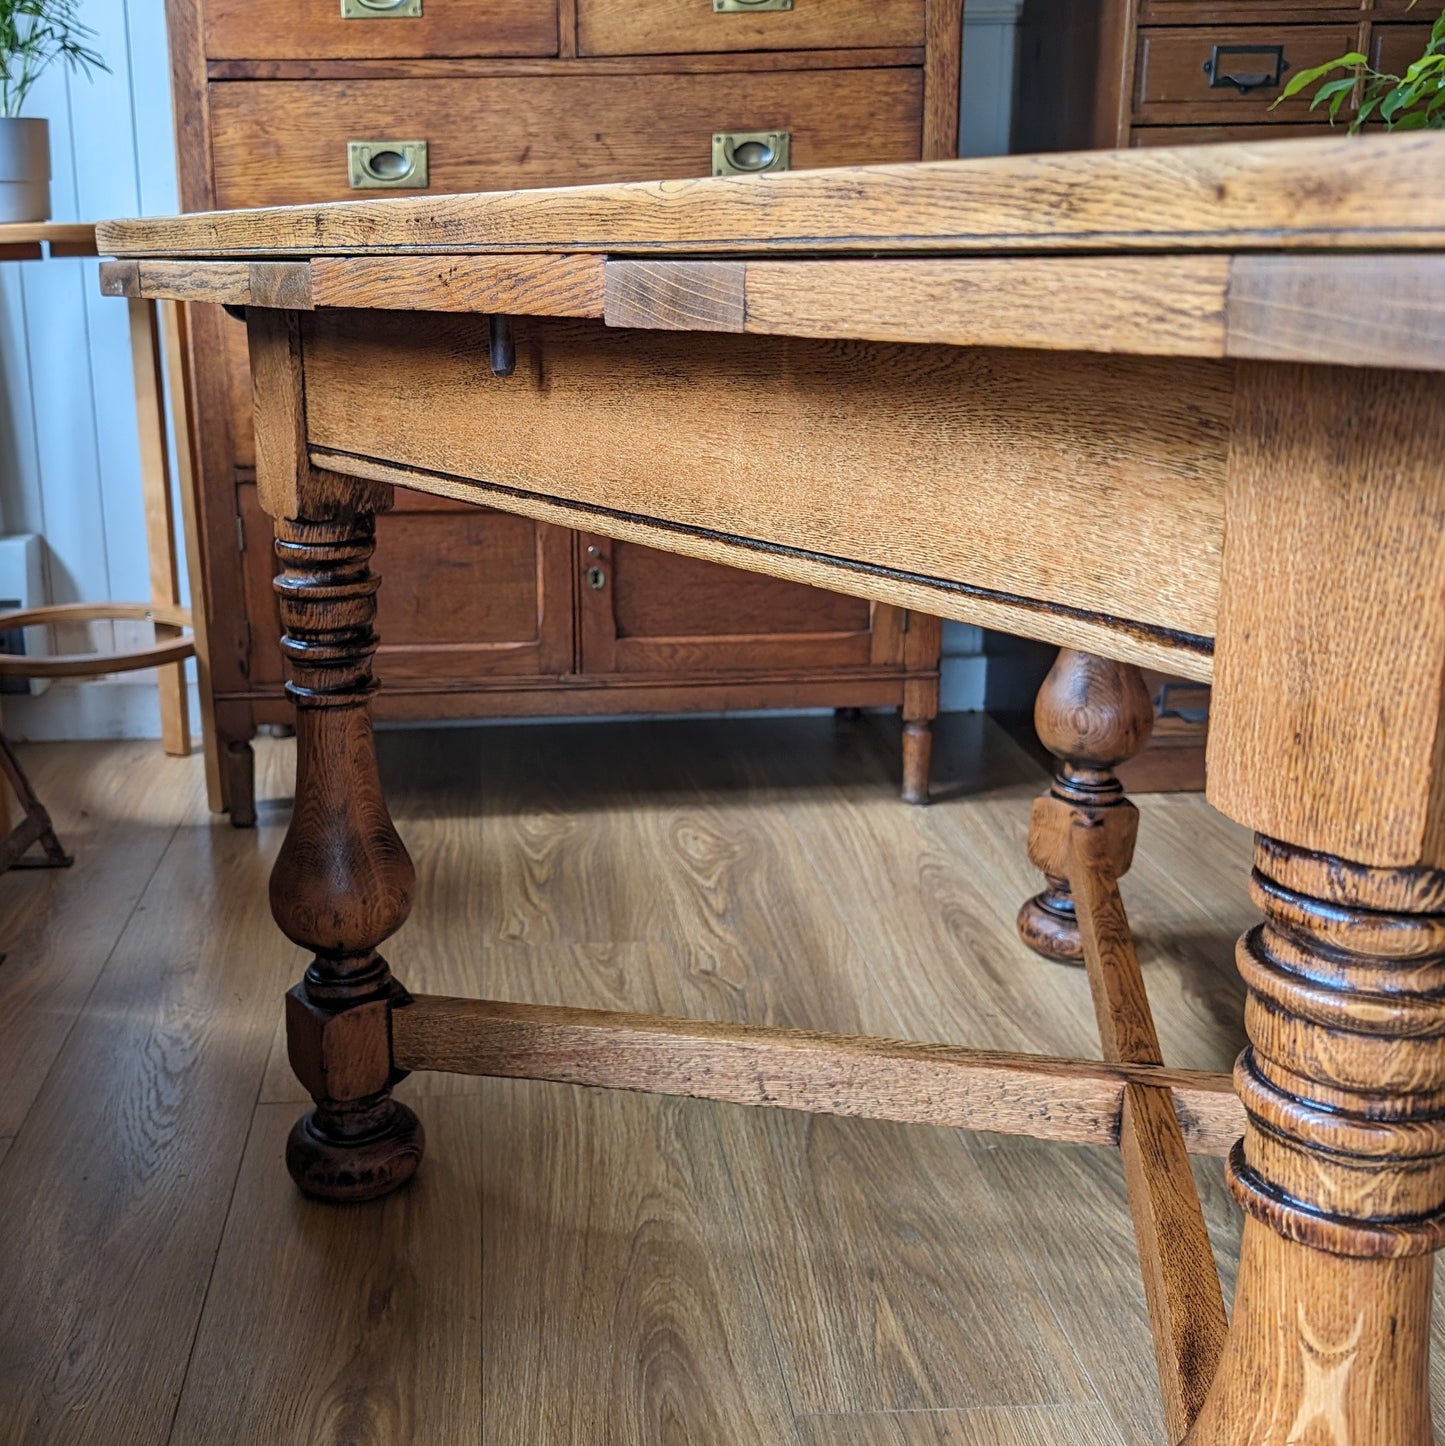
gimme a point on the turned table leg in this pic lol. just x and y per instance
(1091, 714)
(342, 881)
(1342, 1170)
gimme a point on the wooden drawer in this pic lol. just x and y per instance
(1172, 82)
(680, 27)
(278, 142)
(316, 30)
(1251, 12)
(1394, 47)
(1219, 135)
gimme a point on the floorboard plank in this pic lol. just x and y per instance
(877, 1245)
(654, 1270)
(1016, 1426)
(115, 807)
(620, 1303)
(329, 1326)
(115, 1190)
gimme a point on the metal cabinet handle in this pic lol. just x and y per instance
(750, 153)
(735, 7)
(381, 9)
(1221, 76)
(382, 164)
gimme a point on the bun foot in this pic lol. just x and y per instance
(1048, 925)
(358, 1155)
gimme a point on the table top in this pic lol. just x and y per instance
(1319, 251)
(1378, 192)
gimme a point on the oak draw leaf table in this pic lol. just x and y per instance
(1182, 409)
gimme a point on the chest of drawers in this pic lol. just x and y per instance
(1172, 72)
(290, 101)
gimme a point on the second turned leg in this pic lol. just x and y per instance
(342, 882)
(1341, 1172)
(1091, 714)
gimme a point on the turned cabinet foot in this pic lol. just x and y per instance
(238, 781)
(917, 759)
(1091, 714)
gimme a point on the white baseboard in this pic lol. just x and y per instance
(110, 708)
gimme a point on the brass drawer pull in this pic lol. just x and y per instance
(1222, 76)
(381, 9)
(373, 165)
(750, 153)
(736, 7)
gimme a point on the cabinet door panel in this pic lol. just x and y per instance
(280, 142)
(656, 612)
(468, 596)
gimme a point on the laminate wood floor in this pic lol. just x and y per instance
(574, 1268)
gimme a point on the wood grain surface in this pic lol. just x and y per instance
(1331, 193)
(660, 867)
(373, 1364)
(54, 955)
(1380, 311)
(569, 129)
(672, 27)
(680, 412)
(275, 29)
(165, 1056)
(663, 866)
(1011, 1426)
(550, 285)
(822, 1074)
(1335, 510)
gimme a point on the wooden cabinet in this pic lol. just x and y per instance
(1168, 72)
(276, 100)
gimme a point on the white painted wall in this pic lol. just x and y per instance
(69, 467)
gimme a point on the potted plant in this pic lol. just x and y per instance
(1410, 102)
(33, 35)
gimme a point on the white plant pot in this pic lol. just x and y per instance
(24, 169)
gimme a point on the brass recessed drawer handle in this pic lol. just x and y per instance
(372, 165)
(750, 153)
(736, 7)
(1224, 67)
(381, 9)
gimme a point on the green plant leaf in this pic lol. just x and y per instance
(1306, 78)
(1335, 92)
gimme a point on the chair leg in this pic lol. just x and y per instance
(34, 826)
